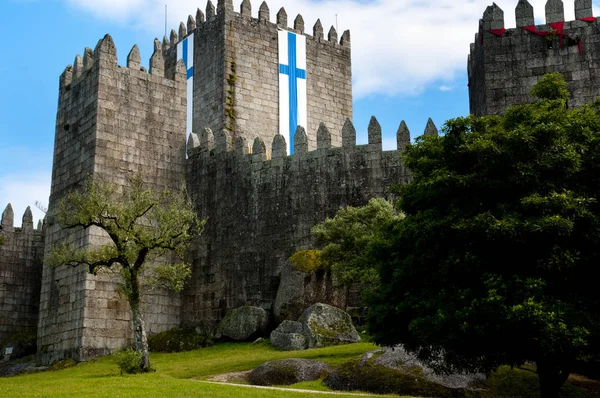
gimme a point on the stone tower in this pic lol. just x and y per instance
(505, 63)
(112, 122)
(236, 65)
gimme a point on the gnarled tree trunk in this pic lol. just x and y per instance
(139, 327)
(551, 376)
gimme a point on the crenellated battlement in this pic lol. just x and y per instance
(261, 17)
(504, 63)
(7, 222)
(208, 144)
(105, 55)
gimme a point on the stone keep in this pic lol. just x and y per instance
(504, 64)
(115, 121)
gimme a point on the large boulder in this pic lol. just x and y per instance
(244, 323)
(285, 372)
(289, 336)
(395, 371)
(299, 290)
(398, 358)
(324, 325)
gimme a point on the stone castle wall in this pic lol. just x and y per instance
(21, 252)
(260, 209)
(113, 122)
(503, 67)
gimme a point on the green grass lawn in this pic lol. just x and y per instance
(101, 378)
(184, 375)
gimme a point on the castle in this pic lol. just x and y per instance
(254, 117)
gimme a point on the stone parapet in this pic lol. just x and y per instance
(504, 64)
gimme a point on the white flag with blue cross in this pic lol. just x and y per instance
(185, 51)
(292, 85)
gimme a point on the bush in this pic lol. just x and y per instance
(129, 361)
(178, 340)
(23, 344)
(64, 364)
(381, 380)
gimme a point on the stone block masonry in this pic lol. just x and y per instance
(261, 208)
(112, 123)
(505, 63)
(236, 69)
(21, 251)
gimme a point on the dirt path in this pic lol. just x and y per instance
(286, 389)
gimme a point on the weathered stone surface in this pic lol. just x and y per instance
(8, 218)
(21, 252)
(555, 11)
(388, 371)
(244, 323)
(289, 336)
(288, 371)
(112, 122)
(503, 67)
(282, 18)
(402, 136)
(583, 9)
(431, 128)
(399, 359)
(299, 290)
(325, 325)
(524, 13)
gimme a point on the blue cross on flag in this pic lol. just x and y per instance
(292, 85)
(185, 51)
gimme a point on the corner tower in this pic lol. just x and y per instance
(505, 63)
(112, 122)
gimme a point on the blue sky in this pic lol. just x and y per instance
(409, 63)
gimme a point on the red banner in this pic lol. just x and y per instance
(557, 27)
(587, 19)
(497, 32)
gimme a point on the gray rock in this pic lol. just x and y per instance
(244, 323)
(288, 371)
(289, 337)
(299, 290)
(394, 371)
(324, 325)
(399, 359)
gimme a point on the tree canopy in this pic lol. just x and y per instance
(495, 259)
(343, 241)
(142, 228)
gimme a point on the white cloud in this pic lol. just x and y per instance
(445, 88)
(398, 46)
(22, 190)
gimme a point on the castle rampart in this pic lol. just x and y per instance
(112, 122)
(262, 204)
(21, 251)
(505, 63)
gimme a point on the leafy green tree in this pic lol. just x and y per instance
(142, 227)
(495, 259)
(343, 240)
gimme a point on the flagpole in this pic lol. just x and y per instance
(165, 19)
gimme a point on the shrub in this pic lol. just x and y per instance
(178, 340)
(129, 361)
